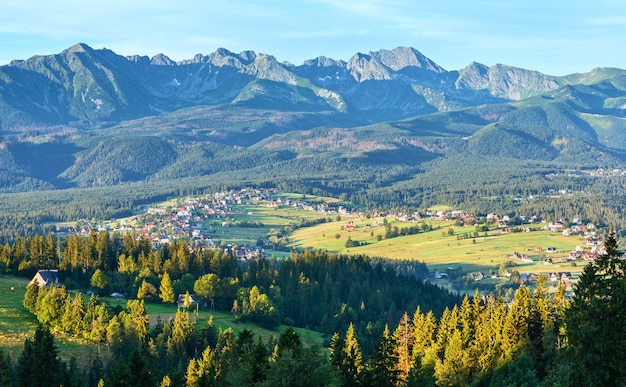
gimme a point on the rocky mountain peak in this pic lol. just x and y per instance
(322, 61)
(365, 67)
(224, 58)
(267, 67)
(403, 57)
(78, 47)
(247, 56)
(141, 59)
(474, 76)
(162, 60)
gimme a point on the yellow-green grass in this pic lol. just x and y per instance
(274, 216)
(271, 218)
(440, 250)
(16, 322)
(235, 234)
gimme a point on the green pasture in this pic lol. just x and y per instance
(16, 323)
(440, 250)
(274, 216)
(234, 233)
(271, 218)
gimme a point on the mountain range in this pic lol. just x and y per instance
(90, 117)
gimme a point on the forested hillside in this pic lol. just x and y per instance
(380, 326)
(91, 135)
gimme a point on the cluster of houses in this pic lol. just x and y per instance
(189, 220)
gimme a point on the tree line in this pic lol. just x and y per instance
(538, 339)
(314, 289)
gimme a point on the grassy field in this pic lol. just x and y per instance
(17, 324)
(439, 249)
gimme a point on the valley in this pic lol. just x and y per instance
(310, 206)
(484, 251)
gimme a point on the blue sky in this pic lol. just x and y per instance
(556, 37)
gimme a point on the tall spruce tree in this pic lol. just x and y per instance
(39, 363)
(404, 338)
(596, 326)
(5, 369)
(381, 366)
(166, 290)
(352, 359)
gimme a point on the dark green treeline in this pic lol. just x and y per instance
(538, 338)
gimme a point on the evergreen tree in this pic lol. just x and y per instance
(73, 376)
(381, 366)
(424, 355)
(404, 338)
(516, 373)
(187, 300)
(289, 340)
(119, 374)
(39, 364)
(114, 331)
(516, 325)
(5, 369)
(352, 359)
(488, 340)
(166, 291)
(451, 371)
(192, 377)
(259, 360)
(73, 314)
(207, 368)
(309, 369)
(226, 353)
(596, 327)
(140, 367)
(96, 372)
(337, 343)
(136, 320)
(181, 339)
(166, 381)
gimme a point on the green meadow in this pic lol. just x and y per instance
(17, 324)
(439, 248)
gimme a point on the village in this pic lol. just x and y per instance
(201, 221)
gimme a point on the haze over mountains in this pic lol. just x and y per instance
(88, 117)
